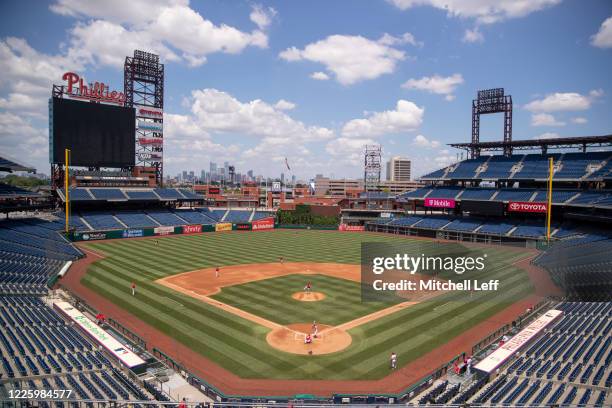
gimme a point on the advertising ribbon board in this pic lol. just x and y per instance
(346, 227)
(163, 230)
(223, 226)
(129, 358)
(263, 224)
(243, 226)
(440, 202)
(92, 236)
(149, 112)
(523, 206)
(153, 126)
(521, 339)
(133, 233)
(192, 229)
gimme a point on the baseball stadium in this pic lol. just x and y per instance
(486, 283)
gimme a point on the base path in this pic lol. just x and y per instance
(231, 384)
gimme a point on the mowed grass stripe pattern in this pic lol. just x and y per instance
(271, 298)
(240, 346)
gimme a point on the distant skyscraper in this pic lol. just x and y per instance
(213, 168)
(203, 176)
(282, 178)
(398, 169)
(250, 174)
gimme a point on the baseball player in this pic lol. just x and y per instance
(393, 361)
(217, 272)
(315, 329)
(307, 339)
(280, 259)
(133, 289)
(308, 287)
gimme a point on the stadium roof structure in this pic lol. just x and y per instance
(544, 144)
(11, 166)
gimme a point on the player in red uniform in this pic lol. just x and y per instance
(217, 272)
(308, 287)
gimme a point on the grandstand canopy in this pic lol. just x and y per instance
(544, 144)
(11, 165)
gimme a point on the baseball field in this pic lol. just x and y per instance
(236, 320)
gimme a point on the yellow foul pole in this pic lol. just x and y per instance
(549, 204)
(66, 182)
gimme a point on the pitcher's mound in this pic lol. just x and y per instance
(308, 296)
(291, 339)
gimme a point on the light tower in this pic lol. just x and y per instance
(143, 82)
(372, 168)
(491, 101)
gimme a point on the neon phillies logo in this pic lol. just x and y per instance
(521, 206)
(96, 91)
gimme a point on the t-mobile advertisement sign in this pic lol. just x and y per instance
(521, 206)
(440, 202)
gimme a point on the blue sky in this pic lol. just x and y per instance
(253, 82)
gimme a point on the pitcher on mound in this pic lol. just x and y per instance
(308, 287)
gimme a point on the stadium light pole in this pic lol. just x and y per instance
(66, 180)
(549, 203)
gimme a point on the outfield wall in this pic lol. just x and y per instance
(259, 225)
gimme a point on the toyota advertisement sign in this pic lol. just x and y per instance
(523, 206)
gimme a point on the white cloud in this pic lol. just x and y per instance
(547, 135)
(19, 138)
(564, 101)
(218, 111)
(261, 16)
(348, 150)
(352, 58)
(603, 38)
(284, 105)
(436, 84)
(319, 76)
(484, 11)
(406, 117)
(133, 11)
(473, 36)
(422, 141)
(171, 29)
(545, 119)
(579, 120)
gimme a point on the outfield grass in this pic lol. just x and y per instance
(240, 346)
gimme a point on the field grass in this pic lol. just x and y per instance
(271, 298)
(240, 346)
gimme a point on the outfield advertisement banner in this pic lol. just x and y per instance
(510, 348)
(523, 206)
(90, 236)
(133, 233)
(163, 230)
(112, 345)
(440, 202)
(346, 227)
(192, 229)
(242, 226)
(223, 226)
(263, 224)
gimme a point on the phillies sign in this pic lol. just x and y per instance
(94, 91)
(522, 206)
(440, 202)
